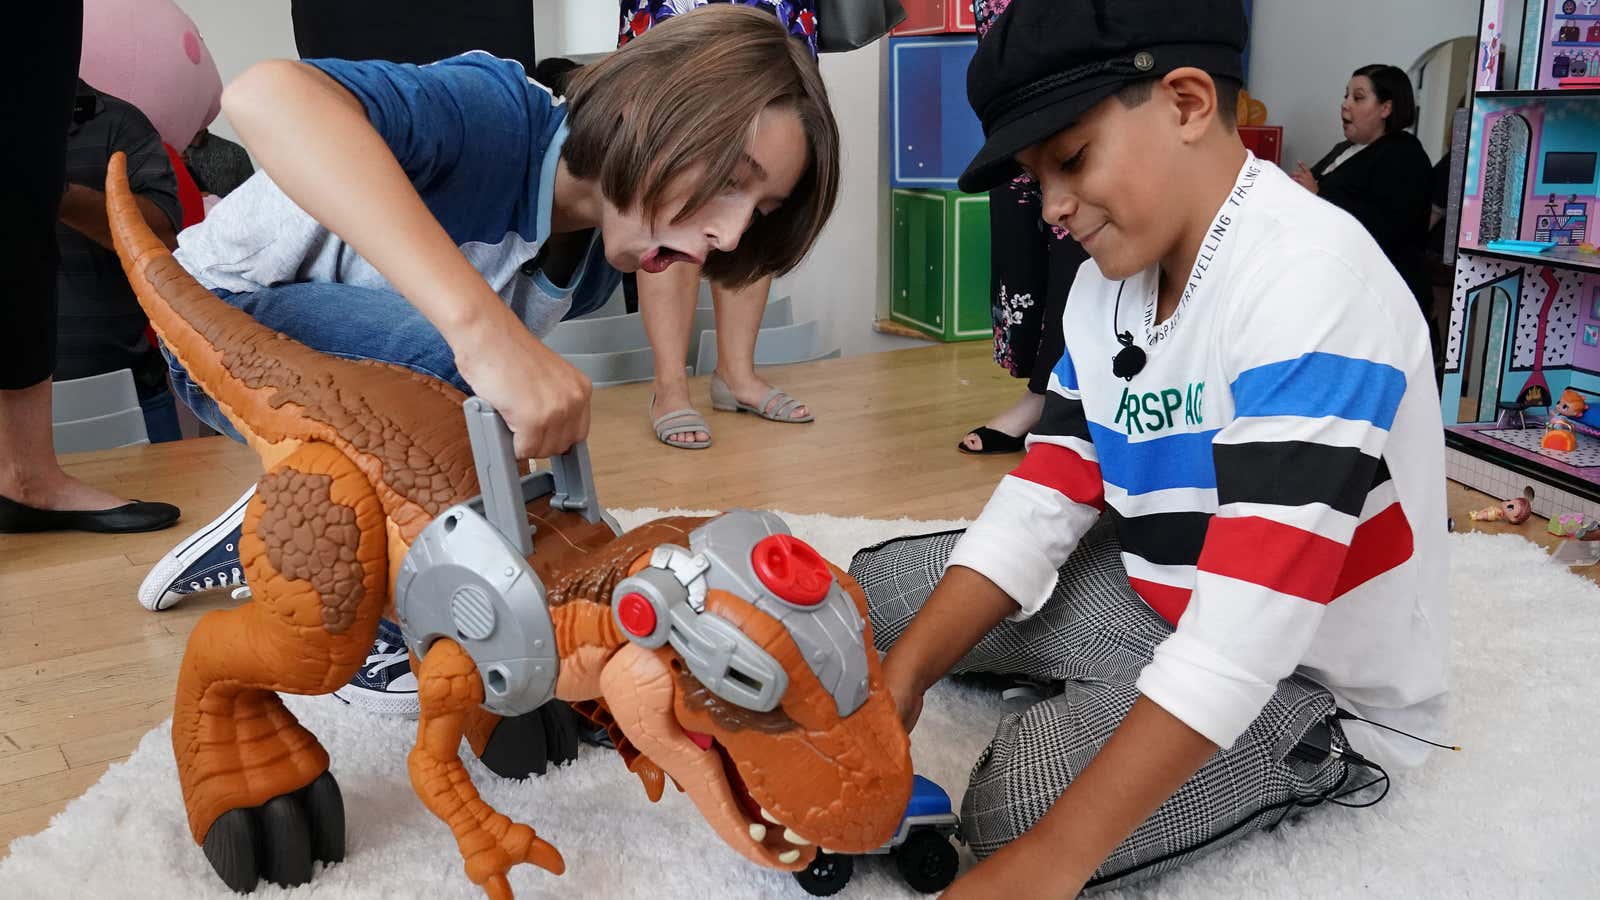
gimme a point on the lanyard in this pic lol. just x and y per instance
(1210, 250)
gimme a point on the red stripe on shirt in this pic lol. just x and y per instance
(1065, 472)
(1379, 544)
(1169, 602)
(1276, 556)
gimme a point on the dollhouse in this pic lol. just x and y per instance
(1521, 392)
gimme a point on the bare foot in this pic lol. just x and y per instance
(750, 390)
(55, 490)
(29, 473)
(670, 397)
(1017, 420)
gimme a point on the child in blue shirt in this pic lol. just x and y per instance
(445, 217)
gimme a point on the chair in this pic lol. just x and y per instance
(607, 334)
(620, 333)
(97, 413)
(774, 347)
(623, 367)
(615, 305)
(1532, 395)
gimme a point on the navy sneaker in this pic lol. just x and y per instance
(207, 559)
(385, 684)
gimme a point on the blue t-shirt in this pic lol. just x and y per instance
(479, 141)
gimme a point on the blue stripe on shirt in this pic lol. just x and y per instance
(1175, 460)
(1318, 385)
(1065, 373)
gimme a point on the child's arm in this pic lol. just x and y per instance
(961, 610)
(1006, 564)
(312, 136)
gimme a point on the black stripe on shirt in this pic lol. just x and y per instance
(1294, 473)
(1062, 417)
(1163, 539)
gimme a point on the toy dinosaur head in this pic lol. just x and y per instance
(749, 676)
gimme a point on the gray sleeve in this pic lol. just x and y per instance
(149, 168)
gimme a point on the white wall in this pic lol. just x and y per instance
(239, 35)
(847, 273)
(574, 27)
(1303, 53)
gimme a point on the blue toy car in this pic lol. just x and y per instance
(921, 848)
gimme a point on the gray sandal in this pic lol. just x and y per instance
(680, 421)
(776, 406)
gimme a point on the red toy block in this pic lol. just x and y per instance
(1265, 141)
(936, 17)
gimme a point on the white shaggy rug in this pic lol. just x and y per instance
(1515, 815)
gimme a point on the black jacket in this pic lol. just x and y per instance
(1386, 187)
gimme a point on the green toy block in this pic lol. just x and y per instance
(940, 278)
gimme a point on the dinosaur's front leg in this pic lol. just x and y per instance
(450, 689)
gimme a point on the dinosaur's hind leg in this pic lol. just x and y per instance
(255, 782)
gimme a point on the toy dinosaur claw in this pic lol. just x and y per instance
(545, 856)
(650, 775)
(279, 839)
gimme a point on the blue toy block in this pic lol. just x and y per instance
(935, 132)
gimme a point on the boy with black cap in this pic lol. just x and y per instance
(1229, 523)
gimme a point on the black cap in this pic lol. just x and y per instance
(1044, 63)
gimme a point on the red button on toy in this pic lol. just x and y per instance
(791, 569)
(636, 615)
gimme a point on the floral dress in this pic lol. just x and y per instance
(1031, 266)
(799, 16)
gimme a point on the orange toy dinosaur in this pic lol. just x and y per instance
(360, 457)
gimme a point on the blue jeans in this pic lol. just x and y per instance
(161, 418)
(337, 319)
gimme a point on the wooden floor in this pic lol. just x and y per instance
(85, 671)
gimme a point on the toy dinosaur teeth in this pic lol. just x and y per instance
(791, 837)
(758, 833)
(769, 816)
(788, 856)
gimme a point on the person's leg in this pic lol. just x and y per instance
(1019, 274)
(739, 312)
(666, 304)
(161, 417)
(39, 99)
(1096, 635)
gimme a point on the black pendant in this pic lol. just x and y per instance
(1129, 361)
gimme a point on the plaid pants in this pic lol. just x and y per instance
(1095, 635)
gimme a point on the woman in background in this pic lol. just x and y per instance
(1031, 268)
(667, 298)
(1380, 174)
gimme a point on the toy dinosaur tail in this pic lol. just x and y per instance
(402, 428)
(198, 328)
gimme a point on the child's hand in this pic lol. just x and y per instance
(906, 691)
(544, 398)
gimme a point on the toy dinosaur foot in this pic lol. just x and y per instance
(279, 839)
(528, 744)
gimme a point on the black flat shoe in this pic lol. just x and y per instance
(18, 518)
(994, 441)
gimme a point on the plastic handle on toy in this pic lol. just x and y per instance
(506, 493)
(498, 477)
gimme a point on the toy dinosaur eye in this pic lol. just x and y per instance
(791, 569)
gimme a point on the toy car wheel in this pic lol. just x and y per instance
(927, 861)
(827, 874)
